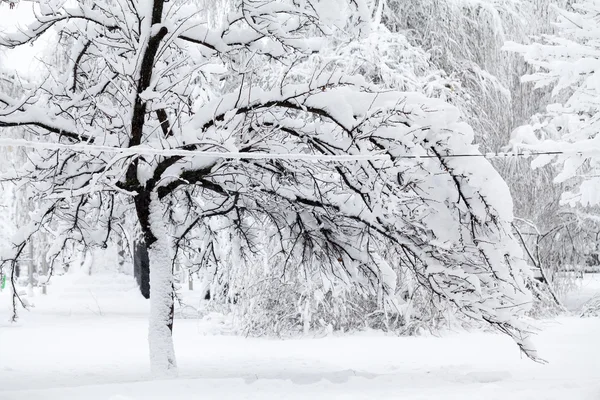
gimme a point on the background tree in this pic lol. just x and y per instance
(465, 40)
(566, 62)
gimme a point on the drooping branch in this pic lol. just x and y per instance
(45, 22)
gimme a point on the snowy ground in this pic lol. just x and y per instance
(92, 349)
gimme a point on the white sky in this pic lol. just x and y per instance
(24, 57)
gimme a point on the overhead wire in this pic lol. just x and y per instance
(171, 152)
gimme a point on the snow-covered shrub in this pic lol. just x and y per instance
(591, 308)
(287, 306)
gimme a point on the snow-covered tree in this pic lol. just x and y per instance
(256, 129)
(567, 62)
(465, 39)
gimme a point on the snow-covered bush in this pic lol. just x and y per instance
(289, 305)
(591, 308)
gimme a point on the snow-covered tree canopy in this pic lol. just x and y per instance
(261, 125)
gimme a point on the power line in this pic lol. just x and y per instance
(149, 151)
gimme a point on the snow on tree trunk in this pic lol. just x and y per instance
(162, 353)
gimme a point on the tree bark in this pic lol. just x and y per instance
(31, 270)
(162, 353)
(45, 274)
(141, 267)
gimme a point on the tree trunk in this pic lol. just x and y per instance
(162, 353)
(141, 267)
(120, 255)
(45, 274)
(31, 270)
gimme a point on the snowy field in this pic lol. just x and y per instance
(81, 344)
